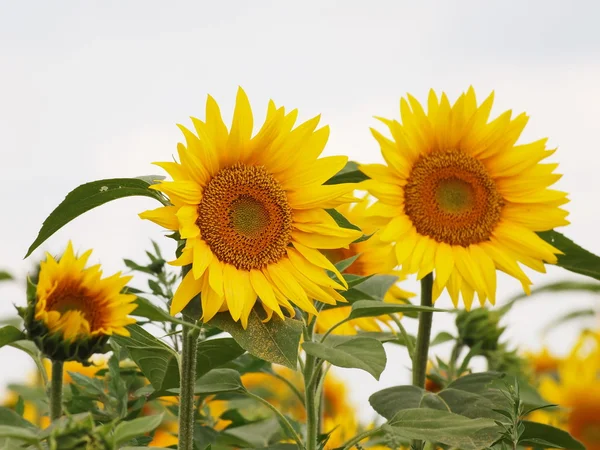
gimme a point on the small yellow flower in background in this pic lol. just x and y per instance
(375, 257)
(543, 362)
(576, 388)
(251, 209)
(76, 302)
(461, 198)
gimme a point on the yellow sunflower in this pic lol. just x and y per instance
(374, 257)
(252, 212)
(543, 362)
(462, 198)
(77, 303)
(577, 390)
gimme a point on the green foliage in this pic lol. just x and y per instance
(157, 361)
(357, 353)
(126, 431)
(445, 428)
(90, 195)
(365, 308)
(349, 174)
(575, 258)
(275, 341)
(5, 276)
(10, 334)
(215, 353)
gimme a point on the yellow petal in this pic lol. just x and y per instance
(188, 289)
(163, 216)
(286, 283)
(202, 258)
(265, 291)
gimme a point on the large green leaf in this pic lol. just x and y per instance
(366, 308)
(218, 381)
(275, 341)
(145, 308)
(90, 195)
(157, 361)
(445, 428)
(126, 431)
(546, 436)
(388, 402)
(358, 353)
(575, 258)
(5, 276)
(349, 174)
(10, 334)
(215, 353)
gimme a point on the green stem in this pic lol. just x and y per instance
(424, 333)
(187, 382)
(407, 341)
(286, 424)
(56, 389)
(423, 337)
(359, 437)
(310, 391)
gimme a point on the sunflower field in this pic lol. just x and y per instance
(289, 264)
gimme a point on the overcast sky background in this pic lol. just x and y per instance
(92, 90)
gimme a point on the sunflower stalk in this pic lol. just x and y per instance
(312, 400)
(423, 337)
(56, 390)
(187, 383)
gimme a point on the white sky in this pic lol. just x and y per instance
(92, 90)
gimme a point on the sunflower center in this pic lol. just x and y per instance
(451, 198)
(71, 297)
(245, 217)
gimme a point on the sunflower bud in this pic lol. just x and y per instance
(72, 311)
(80, 434)
(479, 326)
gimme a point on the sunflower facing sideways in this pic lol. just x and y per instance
(252, 212)
(75, 310)
(373, 257)
(461, 198)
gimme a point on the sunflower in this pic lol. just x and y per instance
(252, 212)
(76, 303)
(461, 198)
(373, 256)
(577, 389)
(543, 362)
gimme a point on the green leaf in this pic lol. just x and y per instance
(388, 402)
(256, 434)
(445, 428)
(5, 276)
(275, 341)
(215, 353)
(217, 381)
(126, 431)
(157, 361)
(469, 404)
(341, 220)
(10, 334)
(535, 433)
(378, 285)
(366, 308)
(90, 195)
(349, 174)
(358, 353)
(145, 308)
(345, 263)
(441, 338)
(559, 286)
(21, 434)
(10, 417)
(31, 349)
(575, 258)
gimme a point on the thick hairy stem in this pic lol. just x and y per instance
(56, 389)
(187, 382)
